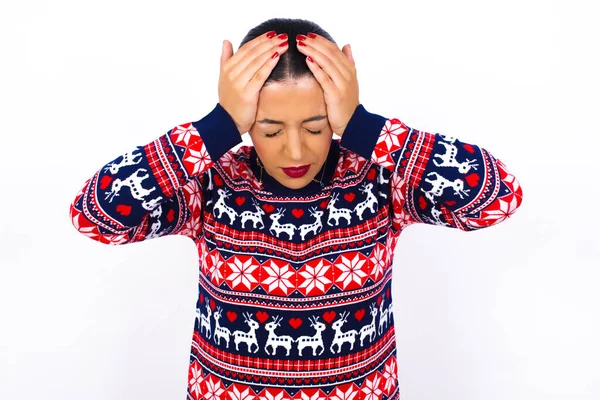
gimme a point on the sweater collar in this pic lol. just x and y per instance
(271, 185)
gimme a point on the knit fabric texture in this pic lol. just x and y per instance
(294, 291)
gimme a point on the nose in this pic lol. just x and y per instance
(293, 145)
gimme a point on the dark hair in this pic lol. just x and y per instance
(292, 65)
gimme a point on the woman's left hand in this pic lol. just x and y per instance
(335, 70)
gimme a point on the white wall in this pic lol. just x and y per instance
(508, 312)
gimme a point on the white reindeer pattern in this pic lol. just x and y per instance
(314, 341)
(220, 331)
(383, 315)
(224, 208)
(342, 337)
(278, 228)
(247, 337)
(449, 157)
(131, 158)
(134, 183)
(274, 340)
(440, 183)
(205, 320)
(369, 330)
(337, 213)
(254, 216)
(370, 202)
(315, 226)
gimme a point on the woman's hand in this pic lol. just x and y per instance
(244, 73)
(335, 71)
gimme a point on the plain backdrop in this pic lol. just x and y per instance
(507, 312)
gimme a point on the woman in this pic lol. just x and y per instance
(295, 234)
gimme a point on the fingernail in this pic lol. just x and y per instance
(271, 34)
(282, 36)
(310, 59)
(276, 54)
(311, 35)
(282, 44)
(301, 43)
(300, 37)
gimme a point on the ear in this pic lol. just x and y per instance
(348, 52)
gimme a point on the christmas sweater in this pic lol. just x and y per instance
(294, 289)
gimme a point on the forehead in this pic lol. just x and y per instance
(291, 102)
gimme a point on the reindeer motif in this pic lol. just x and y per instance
(315, 226)
(151, 204)
(383, 316)
(254, 216)
(341, 337)
(247, 337)
(156, 213)
(436, 217)
(370, 202)
(278, 228)
(130, 158)
(205, 320)
(449, 157)
(440, 183)
(198, 314)
(369, 330)
(222, 207)
(382, 181)
(337, 213)
(314, 341)
(209, 187)
(220, 331)
(275, 341)
(134, 182)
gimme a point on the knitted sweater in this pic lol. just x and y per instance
(294, 290)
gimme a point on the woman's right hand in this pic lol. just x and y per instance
(243, 75)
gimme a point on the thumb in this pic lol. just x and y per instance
(226, 51)
(347, 50)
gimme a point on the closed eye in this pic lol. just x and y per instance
(275, 133)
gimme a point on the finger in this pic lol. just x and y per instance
(325, 64)
(248, 46)
(226, 52)
(266, 64)
(265, 59)
(347, 50)
(331, 50)
(246, 58)
(322, 77)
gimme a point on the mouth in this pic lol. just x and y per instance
(296, 172)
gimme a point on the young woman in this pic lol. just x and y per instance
(295, 234)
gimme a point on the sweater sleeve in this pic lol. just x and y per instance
(434, 178)
(156, 189)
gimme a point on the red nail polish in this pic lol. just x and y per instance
(282, 44)
(311, 35)
(310, 59)
(300, 37)
(276, 54)
(271, 34)
(282, 36)
(301, 43)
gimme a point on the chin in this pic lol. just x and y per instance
(296, 183)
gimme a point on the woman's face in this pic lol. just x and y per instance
(293, 144)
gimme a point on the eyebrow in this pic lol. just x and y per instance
(272, 121)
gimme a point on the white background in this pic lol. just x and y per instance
(508, 312)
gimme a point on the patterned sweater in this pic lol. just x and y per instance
(294, 290)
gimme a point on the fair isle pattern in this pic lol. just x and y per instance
(294, 290)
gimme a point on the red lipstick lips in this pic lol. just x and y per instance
(296, 172)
